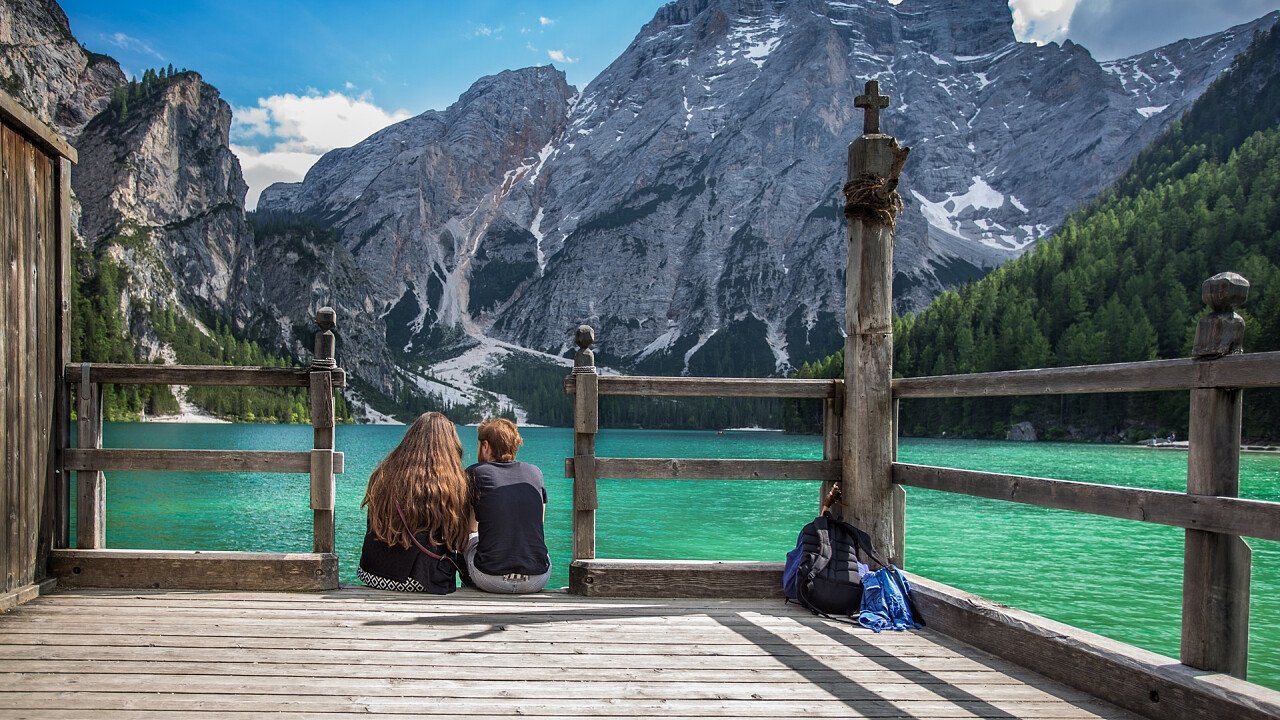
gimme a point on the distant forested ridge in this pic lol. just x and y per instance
(1120, 281)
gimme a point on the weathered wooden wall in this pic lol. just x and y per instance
(33, 177)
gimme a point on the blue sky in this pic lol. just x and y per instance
(411, 55)
(306, 76)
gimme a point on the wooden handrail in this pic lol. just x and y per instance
(708, 469)
(90, 461)
(657, 385)
(238, 375)
(194, 460)
(1210, 513)
(1254, 370)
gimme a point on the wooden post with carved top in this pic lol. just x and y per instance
(871, 500)
(1215, 580)
(586, 423)
(323, 419)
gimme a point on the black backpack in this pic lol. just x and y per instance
(822, 571)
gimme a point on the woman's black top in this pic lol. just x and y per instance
(388, 567)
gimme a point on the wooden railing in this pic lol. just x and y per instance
(91, 563)
(634, 577)
(1217, 562)
(1216, 568)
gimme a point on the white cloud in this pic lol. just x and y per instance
(544, 21)
(529, 46)
(253, 121)
(559, 56)
(1042, 21)
(127, 42)
(487, 31)
(284, 135)
(264, 168)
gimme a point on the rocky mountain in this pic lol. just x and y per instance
(48, 70)
(686, 202)
(162, 170)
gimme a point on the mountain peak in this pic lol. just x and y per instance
(963, 27)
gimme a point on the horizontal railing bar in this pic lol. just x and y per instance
(707, 469)
(194, 460)
(1230, 516)
(655, 385)
(142, 374)
(1253, 370)
(195, 569)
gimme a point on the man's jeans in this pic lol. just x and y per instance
(509, 584)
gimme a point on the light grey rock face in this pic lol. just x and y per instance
(437, 209)
(48, 71)
(707, 161)
(291, 270)
(164, 176)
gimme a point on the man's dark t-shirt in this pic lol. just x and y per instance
(508, 498)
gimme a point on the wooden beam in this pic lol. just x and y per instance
(62, 390)
(1216, 566)
(653, 386)
(34, 129)
(676, 578)
(1235, 516)
(866, 454)
(1254, 370)
(704, 469)
(122, 374)
(195, 570)
(195, 460)
(25, 593)
(91, 490)
(1143, 682)
(585, 380)
(832, 410)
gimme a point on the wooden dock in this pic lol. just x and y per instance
(108, 654)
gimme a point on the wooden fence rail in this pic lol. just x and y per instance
(1255, 370)
(91, 563)
(1228, 515)
(240, 376)
(712, 387)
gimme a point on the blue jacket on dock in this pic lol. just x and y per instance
(884, 601)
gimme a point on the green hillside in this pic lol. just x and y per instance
(1121, 279)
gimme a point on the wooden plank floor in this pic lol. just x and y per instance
(106, 654)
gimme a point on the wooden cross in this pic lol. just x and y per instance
(871, 103)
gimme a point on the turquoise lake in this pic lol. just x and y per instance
(1115, 577)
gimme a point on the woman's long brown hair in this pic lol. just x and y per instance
(424, 475)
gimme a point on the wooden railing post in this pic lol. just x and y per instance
(832, 421)
(62, 392)
(322, 424)
(871, 206)
(91, 485)
(586, 423)
(1215, 581)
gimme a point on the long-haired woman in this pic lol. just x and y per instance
(419, 507)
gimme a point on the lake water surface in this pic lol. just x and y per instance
(1115, 577)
